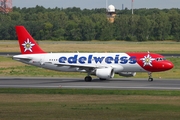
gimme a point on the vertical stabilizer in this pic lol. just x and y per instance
(26, 42)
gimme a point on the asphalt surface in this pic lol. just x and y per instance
(122, 83)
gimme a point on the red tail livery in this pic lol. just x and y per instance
(27, 44)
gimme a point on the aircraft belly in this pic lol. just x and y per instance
(54, 67)
(60, 68)
(133, 68)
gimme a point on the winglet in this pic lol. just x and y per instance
(27, 43)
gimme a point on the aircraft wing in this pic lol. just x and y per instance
(83, 67)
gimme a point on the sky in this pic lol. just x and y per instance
(92, 4)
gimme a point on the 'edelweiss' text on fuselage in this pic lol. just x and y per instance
(90, 58)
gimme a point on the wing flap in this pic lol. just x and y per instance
(75, 65)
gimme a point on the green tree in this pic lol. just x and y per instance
(73, 32)
(87, 29)
(142, 29)
(161, 26)
(175, 26)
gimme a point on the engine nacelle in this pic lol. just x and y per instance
(105, 73)
(127, 74)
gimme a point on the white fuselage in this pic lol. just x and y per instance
(75, 62)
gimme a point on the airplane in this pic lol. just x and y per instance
(102, 65)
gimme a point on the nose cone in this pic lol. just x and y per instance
(168, 65)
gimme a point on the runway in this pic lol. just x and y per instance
(120, 83)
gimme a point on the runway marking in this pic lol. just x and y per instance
(88, 87)
(167, 88)
(76, 83)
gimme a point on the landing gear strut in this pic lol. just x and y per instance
(88, 78)
(150, 79)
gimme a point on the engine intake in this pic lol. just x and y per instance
(105, 73)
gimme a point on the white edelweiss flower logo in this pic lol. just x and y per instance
(28, 45)
(147, 60)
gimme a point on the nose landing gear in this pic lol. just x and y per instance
(150, 79)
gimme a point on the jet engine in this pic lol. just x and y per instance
(105, 73)
(127, 74)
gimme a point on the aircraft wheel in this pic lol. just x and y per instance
(150, 79)
(88, 78)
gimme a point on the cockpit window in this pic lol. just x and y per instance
(160, 59)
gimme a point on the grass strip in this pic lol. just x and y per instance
(88, 107)
(89, 91)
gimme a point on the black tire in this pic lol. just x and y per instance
(150, 79)
(88, 78)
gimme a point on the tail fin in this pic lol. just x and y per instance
(26, 42)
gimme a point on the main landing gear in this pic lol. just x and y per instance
(150, 79)
(88, 78)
